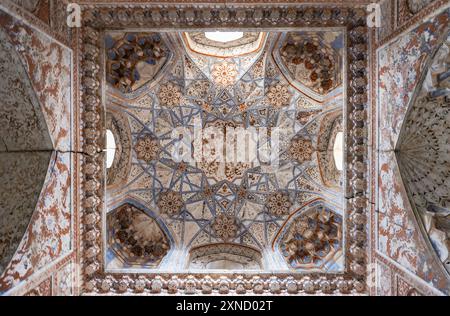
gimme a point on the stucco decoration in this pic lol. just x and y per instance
(423, 153)
(134, 59)
(406, 11)
(301, 150)
(224, 69)
(147, 148)
(406, 289)
(43, 289)
(22, 128)
(48, 67)
(313, 60)
(96, 19)
(49, 231)
(206, 199)
(170, 203)
(64, 279)
(29, 5)
(225, 227)
(313, 238)
(36, 147)
(50, 16)
(136, 237)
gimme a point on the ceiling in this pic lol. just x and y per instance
(198, 211)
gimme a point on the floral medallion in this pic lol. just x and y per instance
(224, 74)
(279, 204)
(256, 181)
(147, 148)
(313, 60)
(301, 150)
(169, 95)
(278, 96)
(170, 203)
(225, 226)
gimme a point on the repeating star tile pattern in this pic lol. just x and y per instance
(206, 202)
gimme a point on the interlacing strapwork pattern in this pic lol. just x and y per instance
(97, 19)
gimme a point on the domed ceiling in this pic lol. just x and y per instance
(274, 202)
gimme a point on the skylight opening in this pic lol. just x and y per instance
(338, 151)
(110, 148)
(224, 37)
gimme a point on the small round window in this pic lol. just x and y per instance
(110, 148)
(338, 151)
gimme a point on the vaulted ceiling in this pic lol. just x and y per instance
(160, 82)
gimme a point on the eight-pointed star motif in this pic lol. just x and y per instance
(224, 74)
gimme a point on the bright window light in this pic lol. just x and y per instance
(338, 151)
(110, 148)
(224, 37)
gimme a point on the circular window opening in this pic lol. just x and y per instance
(110, 148)
(224, 37)
(338, 151)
